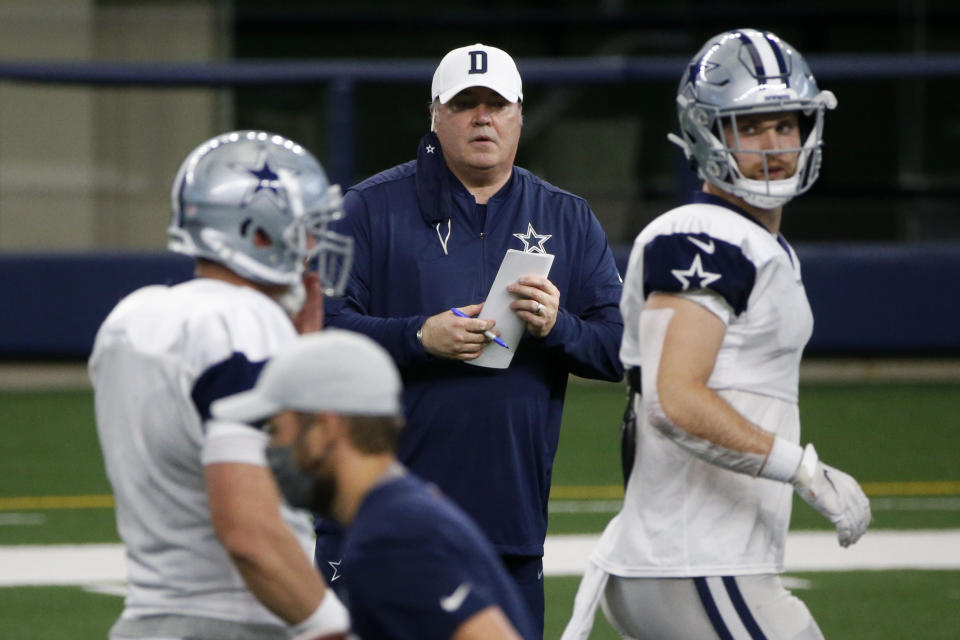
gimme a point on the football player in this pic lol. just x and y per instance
(716, 319)
(212, 550)
(413, 564)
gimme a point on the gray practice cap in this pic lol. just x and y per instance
(333, 371)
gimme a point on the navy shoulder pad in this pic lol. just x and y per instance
(233, 375)
(690, 261)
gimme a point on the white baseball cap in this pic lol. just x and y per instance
(478, 65)
(333, 371)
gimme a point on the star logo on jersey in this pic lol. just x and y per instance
(336, 570)
(695, 272)
(430, 148)
(267, 184)
(455, 600)
(529, 244)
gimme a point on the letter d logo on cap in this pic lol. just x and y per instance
(478, 61)
(476, 65)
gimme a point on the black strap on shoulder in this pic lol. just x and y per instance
(628, 425)
(633, 379)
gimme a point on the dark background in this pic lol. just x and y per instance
(891, 167)
(878, 235)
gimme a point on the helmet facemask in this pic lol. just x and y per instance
(257, 203)
(743, 73)
(331, 255)
(717, 132)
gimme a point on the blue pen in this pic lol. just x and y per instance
(489, 334)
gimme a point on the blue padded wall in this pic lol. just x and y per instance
(879, 299)
(52, 304)
(867, 299)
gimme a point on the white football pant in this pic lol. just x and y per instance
(753, 607)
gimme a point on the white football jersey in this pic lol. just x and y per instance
(160, 358)
(683, 516)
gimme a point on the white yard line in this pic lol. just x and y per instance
(806, 551)
(61, 564)
(584, 506)
(565, 555)
(22, 519)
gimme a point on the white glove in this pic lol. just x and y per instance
(834, 494)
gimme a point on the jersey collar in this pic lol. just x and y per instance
(702, 197)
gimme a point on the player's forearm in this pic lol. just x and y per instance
(702, 413)
(278, 572)
(245, 513)
(680, 342)
(701, 422)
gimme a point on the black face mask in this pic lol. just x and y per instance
(301, 490)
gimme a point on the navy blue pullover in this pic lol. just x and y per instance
(410, 549)
(486, 437)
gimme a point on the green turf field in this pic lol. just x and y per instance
(898, 440)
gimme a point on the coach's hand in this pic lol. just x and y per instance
(834, 494)
(537, 303)
(446, 335)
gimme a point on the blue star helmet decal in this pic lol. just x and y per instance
(268, 184)
(250, 200)
(529, 244)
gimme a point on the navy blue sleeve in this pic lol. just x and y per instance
(410, 590)
(233, 375)
(695, 261)
(590, 329)
(396, 335)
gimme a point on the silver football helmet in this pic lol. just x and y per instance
(260, 205)
(743, 72)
